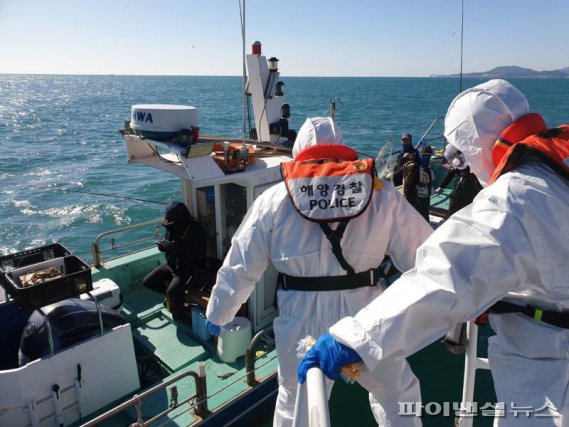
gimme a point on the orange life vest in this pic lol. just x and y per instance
(529, 137)
(526, 137)
(327, 183)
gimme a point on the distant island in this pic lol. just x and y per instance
(505, 72)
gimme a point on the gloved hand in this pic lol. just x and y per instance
(164, 245)
(212, 328)
(438, 191)
(329, 355)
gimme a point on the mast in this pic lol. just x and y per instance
(461, 43)
(242, 10)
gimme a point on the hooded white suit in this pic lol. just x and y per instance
(511, 243)
(273, 231)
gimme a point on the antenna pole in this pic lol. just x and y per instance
(461, 43)
(244, 72)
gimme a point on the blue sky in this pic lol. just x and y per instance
(310, 37)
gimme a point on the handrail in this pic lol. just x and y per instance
(250, 360)
(311, 406)
(136, 400)
(201, 397)
(96, 251)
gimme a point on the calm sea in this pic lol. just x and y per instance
(59, 139)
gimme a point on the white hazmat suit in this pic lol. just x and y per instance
(274, 232)
(511, 243)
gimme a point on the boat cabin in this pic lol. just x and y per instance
(218, 192)
(220, 177)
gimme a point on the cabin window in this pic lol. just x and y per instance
(206, 217)
(230, 209)
(233, 210)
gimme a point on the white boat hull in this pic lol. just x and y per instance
(107, 372)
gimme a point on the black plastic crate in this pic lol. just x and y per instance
(32, 256)
(76, 279)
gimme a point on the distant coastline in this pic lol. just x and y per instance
(506, 72)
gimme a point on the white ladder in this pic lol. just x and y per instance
(471, 363)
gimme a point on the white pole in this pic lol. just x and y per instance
(300, 418)
(313, 411)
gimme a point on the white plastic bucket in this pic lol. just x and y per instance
(234, 338)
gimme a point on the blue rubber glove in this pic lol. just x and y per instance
(329, 355)
(212, 328)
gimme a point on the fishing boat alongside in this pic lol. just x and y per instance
(92, 346)
(97, 360)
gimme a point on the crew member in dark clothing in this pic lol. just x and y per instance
(184, 246)
(466, 187)
(418, 180)
(408, 153)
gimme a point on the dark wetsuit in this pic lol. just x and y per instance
(184, 247)
(402, 158)
(417, 186)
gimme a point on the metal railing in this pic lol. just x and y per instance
(96, 251)
(136, 401)
(250, 359)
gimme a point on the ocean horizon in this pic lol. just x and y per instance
(61, 144)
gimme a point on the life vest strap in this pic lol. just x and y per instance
(554, 318)
(328, 283)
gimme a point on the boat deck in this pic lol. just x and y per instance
(153, 329)
(440, 202)
(165, 348)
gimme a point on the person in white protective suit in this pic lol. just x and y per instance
(309, 299)
(507, 252)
